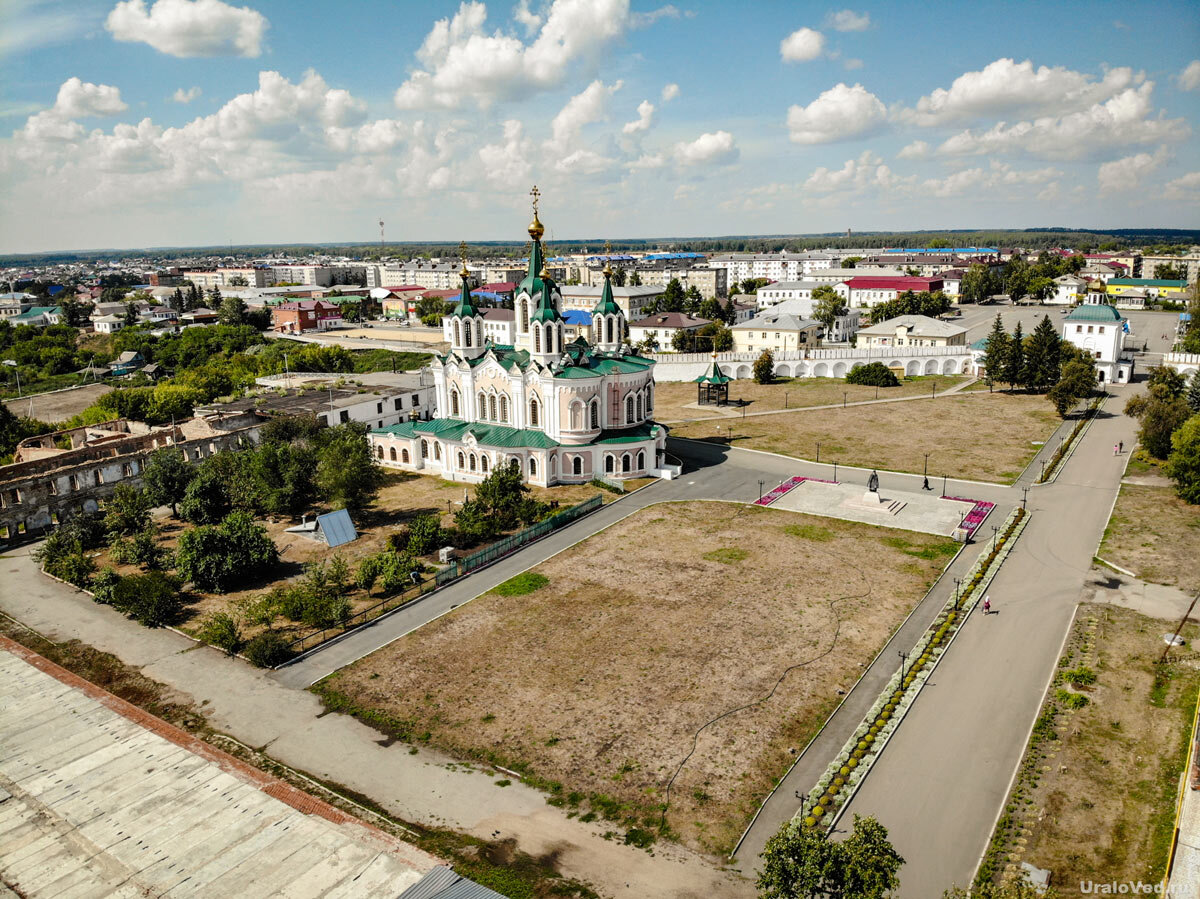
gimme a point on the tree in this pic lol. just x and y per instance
(1014, 363)
(828, 306)
(214, 298)
(851, 261)
(347, 477)
(764, 368)
(1193, 392)
(178, 303)
(673, 298)
(803, 863)
(216, 557)
(1043, 357)
(995, 354)
(220, 629)
(237, 281)
(977, 284)
(127, 511)
(131, 315)
(205, 499)
(232, 311)
(1183, 465)
(635, 279)
(74, 313)
(1165, 271)
(166, 476)
(1160, 418)
(152, 599)
(873, 374)
(1164, 381)
(1077, 381)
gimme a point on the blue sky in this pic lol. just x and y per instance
(129, 123)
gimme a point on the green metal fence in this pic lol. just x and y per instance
(503, 547)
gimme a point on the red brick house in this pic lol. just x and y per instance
(305, 315)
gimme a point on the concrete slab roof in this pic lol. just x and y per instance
(98, 797)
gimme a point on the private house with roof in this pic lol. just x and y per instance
(1100, 329)
(663, 326)
(910, 331)
(565, 412)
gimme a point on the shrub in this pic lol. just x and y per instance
(103, 585)
(221, 630)
(215, 558)
(268, 649)
(424, 535)
(1072, 700)
(141, 549)
(1080, 677)
(151, 599)
(875, 374)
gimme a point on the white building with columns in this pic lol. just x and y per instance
(564, 412)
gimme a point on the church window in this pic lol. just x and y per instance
(608, 329)
(424, 449)
(462, 460)
(649, 398)
(577, 465)
(532, 467)
(471, 463)
(492, 407)
(454, 402)
(595, 413)
(404, 457)
(608, 464)
(629, 410)
(641, 460)
(576, 416)
(524, 314)
(625, 463)
(533, 413)
(392, 453)
(639, 407)
(457, 334)
(437, 451)
(378, 453)
(504, 408)
(467, 334)
(482, 413)
(537, 339)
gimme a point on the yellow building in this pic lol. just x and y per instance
(1166, 289)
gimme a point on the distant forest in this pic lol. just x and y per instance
(1154, 239)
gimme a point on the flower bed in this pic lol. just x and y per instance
(786, 487)
(980, 510)
(843, 776)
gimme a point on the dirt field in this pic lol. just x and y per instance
(403, 497)
(1111, 773)
(671, 399)
(980, 437)
(596, 684)
(58, 406)
(1154, 534)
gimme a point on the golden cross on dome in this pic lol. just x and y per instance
(462, 253)
(608, 257)
(536, 194)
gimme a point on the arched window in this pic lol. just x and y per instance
(608, 329)
(480, 406)
(404, 457)
(462, 460)
(503, 408)
(649, 399)
(454, 402)
(577, 465)
(524, 315)
(639, 407)
(424, 449)
(625, 463)
(467, 333)
(595, 413)
(641, 460)
(457, 334)
(608, 463)
(379, 452)
(492, 407)
(392, 453)
(483, 464)
(532, 467)
(629, 410)
(479, 332)
(576, 416)
(437, 451)
(537, 338)
(533, 412)
(471, 463)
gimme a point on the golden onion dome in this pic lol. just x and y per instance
(536, 229)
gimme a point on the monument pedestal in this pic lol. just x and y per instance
(871, 498)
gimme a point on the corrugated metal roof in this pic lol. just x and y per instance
(337, 527)
(442, 883)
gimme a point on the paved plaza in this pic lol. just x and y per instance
(928, 513)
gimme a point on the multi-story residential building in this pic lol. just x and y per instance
(871, 291)
(843, 328)
(838, 275)
(305, 315)
(783, 266)
(317, 275)
(632, 300)
(430, 275)
(782, 291)
(408, 397)
(710, 282)
(1190, 262)
(910, 331)
(1068, 290)
(776, 331)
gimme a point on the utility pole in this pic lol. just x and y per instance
(1182, 622)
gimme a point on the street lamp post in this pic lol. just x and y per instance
(785, 399)
(818, 450)
(1024, 496)
(943, 486)
(903, 656)
(844, 395)
(957, 585)
(835, 472)
(760, 487)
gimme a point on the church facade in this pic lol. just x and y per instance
(564, 412)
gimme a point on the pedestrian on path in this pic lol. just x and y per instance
(1120, 446)
(987, 605)
(1116, 449)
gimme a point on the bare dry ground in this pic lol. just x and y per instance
(596, 685)
(59, 405)
(1156, 535)
(1103, 805)
(404, 496)
(985, 437)
(671, 398)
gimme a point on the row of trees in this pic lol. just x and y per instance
(1018, 278)
(1168, 416)
(911, 303)
(1042, 362)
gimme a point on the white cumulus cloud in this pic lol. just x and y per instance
(508, 163)
(802, 45)
(856, 176)
(1188, 182)
(189, 27)
(1128, 173)
(77, 98)
(1189, 78)
(839, 113)
(713, 148)
(849, 20)
(918, 149)
(644, 120)
(670, 92)
(185, 96)
(589, 105)
(465, 64)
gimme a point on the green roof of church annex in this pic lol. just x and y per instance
(491, 435)
(1095, 312)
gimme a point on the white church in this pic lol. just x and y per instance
(565, 412)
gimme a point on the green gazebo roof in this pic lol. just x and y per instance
(713, 376)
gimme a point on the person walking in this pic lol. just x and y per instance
(1116, 449)
(987, 605)
(1120, 446)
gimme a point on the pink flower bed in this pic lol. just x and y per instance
(786, 487)
(980, 510)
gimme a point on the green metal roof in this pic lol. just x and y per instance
(1094, 312)
(508, 438)
(1146, 282)
(635, 434)
(714, 376)
(606, 305)
(466, 305)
